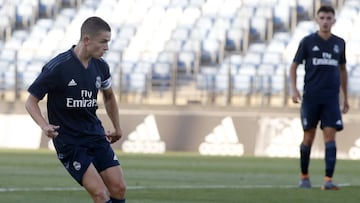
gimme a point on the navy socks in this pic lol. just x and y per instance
(304, 158)
(113, 200)
(330, 158)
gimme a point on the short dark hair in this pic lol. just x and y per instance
(94, 25)
(326, 9)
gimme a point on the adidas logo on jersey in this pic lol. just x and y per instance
(72, 83)
(145, 139)
(315, 48)
(222, 140)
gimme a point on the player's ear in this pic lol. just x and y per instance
(86, 39)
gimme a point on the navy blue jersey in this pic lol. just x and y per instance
(72, 95)
(322, 59)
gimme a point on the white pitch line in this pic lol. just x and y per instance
(2, 189)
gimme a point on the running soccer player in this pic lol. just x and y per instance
(325, 72)
(71, 81)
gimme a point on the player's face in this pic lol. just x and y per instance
(97, 45)
(325, 21)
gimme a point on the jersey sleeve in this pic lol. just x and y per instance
(106, 83)
(342, 59)
(300, 53)
(43, 83)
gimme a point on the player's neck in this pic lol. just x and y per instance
(82, 56)
(324, 35)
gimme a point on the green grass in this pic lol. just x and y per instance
(33, 176)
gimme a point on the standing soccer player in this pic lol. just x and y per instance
(325, 72)
(71, 81)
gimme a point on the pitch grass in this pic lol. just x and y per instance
(38, 177)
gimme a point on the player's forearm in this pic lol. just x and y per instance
(33, 109)
(112, 110)
(344, 82)
(293, 76)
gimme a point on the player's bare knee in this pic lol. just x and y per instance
(100, 195)
(118, 189)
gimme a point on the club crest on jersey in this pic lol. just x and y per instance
(98, 82)
(336, 48)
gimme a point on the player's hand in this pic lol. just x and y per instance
(296, 98)
(50, 131)
(112, 137)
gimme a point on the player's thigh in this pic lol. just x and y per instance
(93, 182)
(113, 178)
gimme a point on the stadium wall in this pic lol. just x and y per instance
(208, 131)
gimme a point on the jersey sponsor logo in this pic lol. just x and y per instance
(72, 83)
(325, 60)
(86, 101)
(145, 139)
(223, 141)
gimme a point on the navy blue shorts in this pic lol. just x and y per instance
(76, 159)
(323, 109)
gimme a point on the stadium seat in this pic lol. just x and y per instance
(189, 17)
(205, 81)
(210, 51)
(222, 83)
(161, 74)
(166, 57)
(234, 39)
(243, 84)
(5, 27)
(187, 61)
(48, 8)
(266, 69)
(26, 13)
(173, 45)
(180, 33)
(134, 83)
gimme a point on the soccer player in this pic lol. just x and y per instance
(325, 72)
(71, 81)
